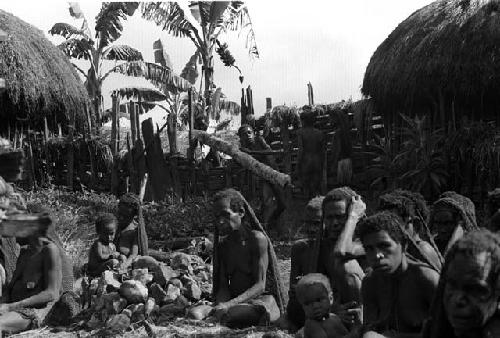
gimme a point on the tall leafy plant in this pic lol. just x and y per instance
(81, 43)
(213, 18)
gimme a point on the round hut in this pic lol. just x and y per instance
(442, 61)
(37, 80)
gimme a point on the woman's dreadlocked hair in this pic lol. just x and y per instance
(339, 194)
(131, 200)
(235, 201)
(408, 204)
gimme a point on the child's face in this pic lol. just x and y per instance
(469, 298)
(383, 253)
(108, 232)
(316, 301)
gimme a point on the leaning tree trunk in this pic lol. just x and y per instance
(245, 160)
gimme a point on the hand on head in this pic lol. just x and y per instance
(357, 207)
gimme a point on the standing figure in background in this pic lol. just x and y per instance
(272, 196)
(310, 161)
(342, 147)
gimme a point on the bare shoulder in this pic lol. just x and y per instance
(423, 273)
(260, 239)
(313, 328)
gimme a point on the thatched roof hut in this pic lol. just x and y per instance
(40, 80)
(443, 60)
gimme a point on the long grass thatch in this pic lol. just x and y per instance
(443, 60)
(40, 80)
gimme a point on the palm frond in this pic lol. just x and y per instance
(201, 11)
(67, 31)
(77, 48)
(237, 18)
(160, 76)
(108, 22)
(140, 94)
(122, 53)
(217, 9)
(232, 107)
(190, 71)
(169, 16)
(161, 55)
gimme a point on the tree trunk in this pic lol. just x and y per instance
(133, 125)
(114, 117)
(245, 160)
(172, 133)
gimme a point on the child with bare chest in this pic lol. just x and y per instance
(103, 255)
(315, 295)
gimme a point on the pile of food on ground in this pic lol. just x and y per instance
(149, 290)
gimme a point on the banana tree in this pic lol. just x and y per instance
(212, 19)
(80, 44)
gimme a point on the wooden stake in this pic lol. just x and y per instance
(46, 130)
(70, 150)
(133, 126)
(137, 120)
(114, 117)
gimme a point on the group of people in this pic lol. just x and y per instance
(403, 271)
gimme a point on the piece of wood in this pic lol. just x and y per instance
(131, 170)
(138, 112)
(133, 126)
(245, 160)
(23, 225)
(156, 165)
(190, 153)
(46, 130)
(114, 117)
(285, 138)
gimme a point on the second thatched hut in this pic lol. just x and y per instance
(443, 61)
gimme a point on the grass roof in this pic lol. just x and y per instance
(445, 56)
(40, 80)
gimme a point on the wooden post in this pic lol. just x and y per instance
(114, 117)
(138, 112)
(32, 176)
(310, 94)
(46, 130)
(285, 139)
(243, 107)
(133, 126)
(130, 162)
(190, 153)
(155, 161)
(70, 150)
(269, 104)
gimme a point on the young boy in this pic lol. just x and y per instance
(468, 297)
(247, 289)
(398, 292)
(315, 295)
(103, 255)
(311, 155)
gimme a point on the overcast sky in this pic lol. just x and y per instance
(328, 43)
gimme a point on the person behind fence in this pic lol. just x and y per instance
(397, 292)
(272, 196)
(247, 289)
(311, 155)
(467, 301)
(452, 215)
(315, 295)
(300, 258)
(103, 254)
(36, 283)
(413, 210)
(127, 241)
